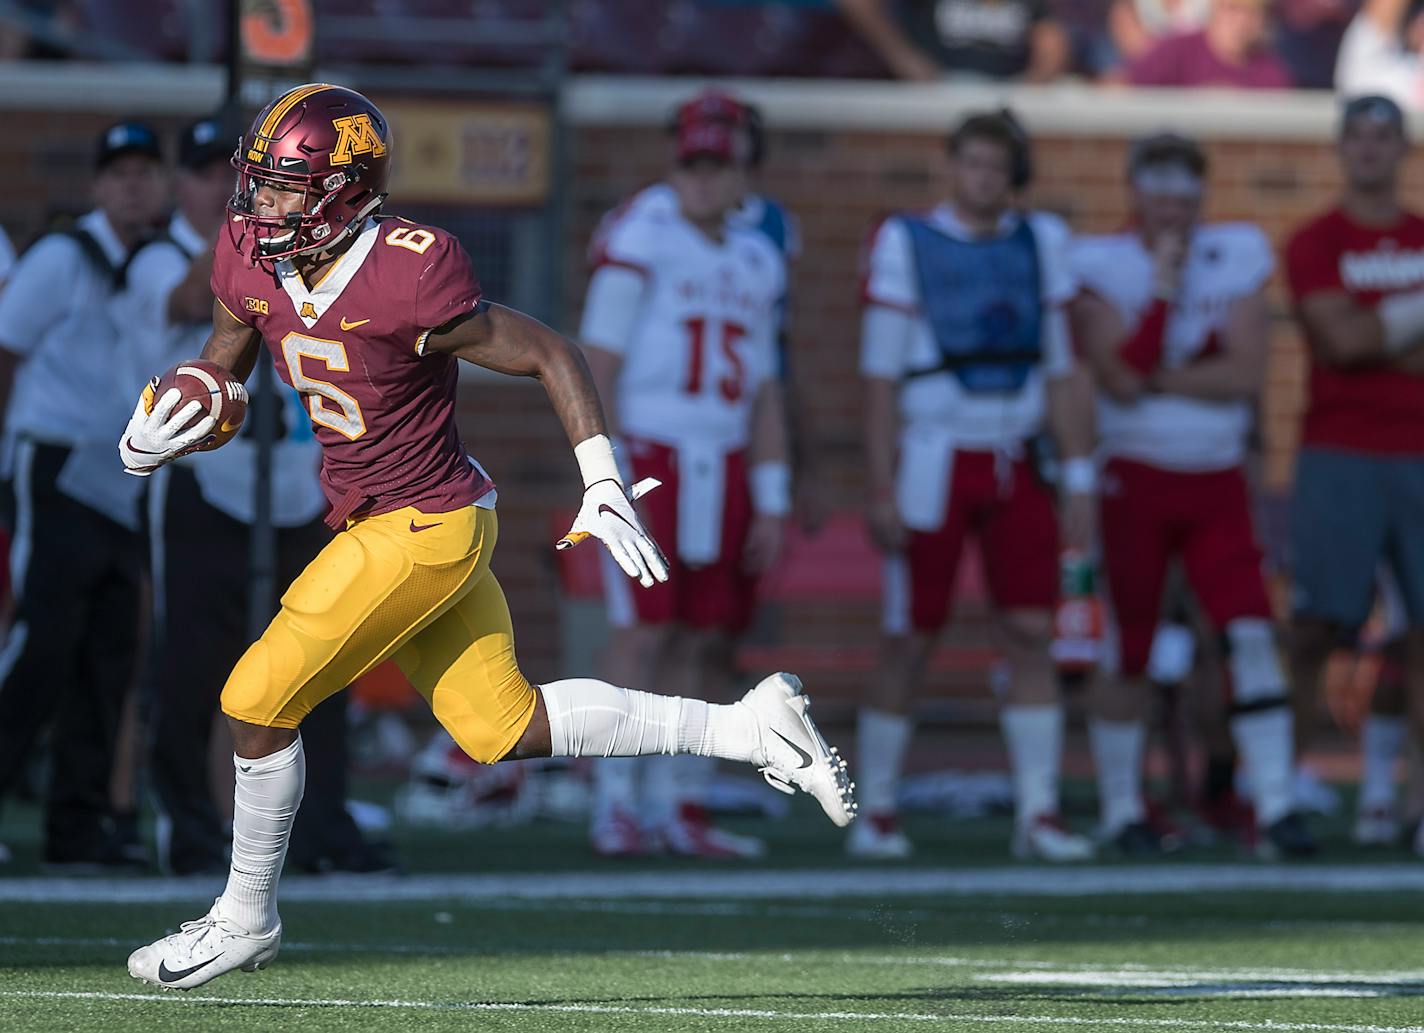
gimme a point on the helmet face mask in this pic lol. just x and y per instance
(313, 166)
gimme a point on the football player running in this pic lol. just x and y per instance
(1175, 325)
(309, 262)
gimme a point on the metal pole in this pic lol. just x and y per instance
(262, 543)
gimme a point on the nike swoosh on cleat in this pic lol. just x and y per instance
(805, 757)
(352, 326)
(414, 527)
(167, 975)
(228, 426)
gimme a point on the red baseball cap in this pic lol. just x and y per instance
(713, 138)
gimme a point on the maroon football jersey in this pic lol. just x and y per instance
(383, 412)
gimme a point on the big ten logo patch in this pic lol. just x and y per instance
(255, 305)
(355, 135)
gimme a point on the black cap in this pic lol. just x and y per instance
(205, 141)
(1374, 107)
(126, 138)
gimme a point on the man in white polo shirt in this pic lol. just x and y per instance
(77, 557)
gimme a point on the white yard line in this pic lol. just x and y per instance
(948, 1018)
(793, 884)
(1025, 971)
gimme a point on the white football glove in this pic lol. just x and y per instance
(607, 514)
(153, 437)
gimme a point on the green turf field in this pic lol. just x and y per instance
(520, 930)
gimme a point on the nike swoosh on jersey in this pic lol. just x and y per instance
(167, 975)
(414, 527)
(352, 326)
(805, 757)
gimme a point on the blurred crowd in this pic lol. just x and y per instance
(1353, 45)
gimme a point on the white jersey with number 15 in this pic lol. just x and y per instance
(694, 320)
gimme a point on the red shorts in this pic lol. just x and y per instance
(718, 595)
(1010, 512)
(1151, 515)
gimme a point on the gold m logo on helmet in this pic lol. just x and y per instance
(355, 135)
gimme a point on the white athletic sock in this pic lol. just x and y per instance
(1381, 741)
(591, 718)
(266, 798)
(880, 742)
(1034, 735)
(1117, 757)
(1263, 739)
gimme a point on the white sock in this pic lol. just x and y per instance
(1117, 758)
(1034, 734)
(880, 742)
(591, 718)
(1263, 739)
(615, 786)
(266, 798)
(1381, 741)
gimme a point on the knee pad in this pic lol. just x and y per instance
(1254, 666)
(487, 732)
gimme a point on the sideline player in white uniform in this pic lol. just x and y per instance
(1176, 326)
(680, 331)
(965, 354)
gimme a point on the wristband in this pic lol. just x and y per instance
(771, 489)
(1079, 476)
(595, 460)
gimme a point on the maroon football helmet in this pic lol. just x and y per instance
(327, 142)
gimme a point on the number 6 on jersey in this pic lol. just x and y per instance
(346, 418)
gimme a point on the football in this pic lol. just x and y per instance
(220, 394)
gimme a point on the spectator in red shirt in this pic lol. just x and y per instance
(1356, 277)
(1233, 49)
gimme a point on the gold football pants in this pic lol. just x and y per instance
(410, 586)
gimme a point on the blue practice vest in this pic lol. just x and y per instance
(983, 300)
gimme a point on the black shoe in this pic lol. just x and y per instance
(1286, 838)
(1142, 839)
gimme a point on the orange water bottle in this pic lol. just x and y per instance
(1078, 620)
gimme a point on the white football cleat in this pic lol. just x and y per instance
(1375, 826)
(202, 950)
(878, 837)
(1046, 838)
(792, 754)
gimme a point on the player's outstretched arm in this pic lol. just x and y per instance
(508, 341)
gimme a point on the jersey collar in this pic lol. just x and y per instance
(944, 218)
(329, 287)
